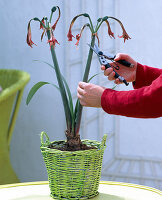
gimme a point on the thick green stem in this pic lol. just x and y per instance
(50, 17)
(85, 79)
(89, 60)
(61, 85)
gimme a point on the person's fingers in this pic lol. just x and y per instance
(108, 71)
(117, 81)
(82, 102)
(121, 56)
(102, 67)
(111, 76)
(80, 97)
(82, 84)
(80, 91)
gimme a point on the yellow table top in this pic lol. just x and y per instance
(107, 190)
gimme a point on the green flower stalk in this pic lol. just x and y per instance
(52, 42)
(79, 107)
(94, 30)
(72, 114)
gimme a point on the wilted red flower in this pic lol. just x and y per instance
(28, 39)
(43, 34)
(125, 35)
(97, 38)
(78, 36)
(111, 34)
(54, 26)
(41, 26)
(69, 35)
(53, 41)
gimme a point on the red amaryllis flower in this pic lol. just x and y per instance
(28, 39)
(41, 26)
(125, 35)
(111, 34)
(54, 26)
(69, 35)
(78, 36)
(53, 41)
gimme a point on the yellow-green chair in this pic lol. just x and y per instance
(12, 83)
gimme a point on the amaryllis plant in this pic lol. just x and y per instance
(72, 113)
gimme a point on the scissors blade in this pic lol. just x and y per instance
(109, 56)
(97, 49)
(93, 49)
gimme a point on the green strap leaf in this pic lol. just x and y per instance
(45, 63)
(35, 88)
(85, 79)
(93, 77)
(66, 86)
(61, 85)
(69, 95)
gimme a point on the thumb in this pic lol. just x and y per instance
(121, 56)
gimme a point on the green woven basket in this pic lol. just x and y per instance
(73, 174)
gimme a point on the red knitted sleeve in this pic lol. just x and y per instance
(144, 102)
(145, 75)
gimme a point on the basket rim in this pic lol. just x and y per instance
(45, 148)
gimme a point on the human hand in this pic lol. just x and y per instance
(129, 73)
(89, 94)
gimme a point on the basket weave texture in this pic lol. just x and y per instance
(73, 174)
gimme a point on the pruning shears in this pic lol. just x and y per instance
(103, 61)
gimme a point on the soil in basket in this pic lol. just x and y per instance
(61, 145)
(73, 143)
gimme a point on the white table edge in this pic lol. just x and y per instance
(101, 182)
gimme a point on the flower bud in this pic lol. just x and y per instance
(53, 9)
(54, 26)
(85, 15)
(105, 18)
(99, 19)
(36, 19)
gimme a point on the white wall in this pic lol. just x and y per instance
(143, 20)
(138, 141)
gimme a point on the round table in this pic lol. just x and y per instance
(107, 191)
